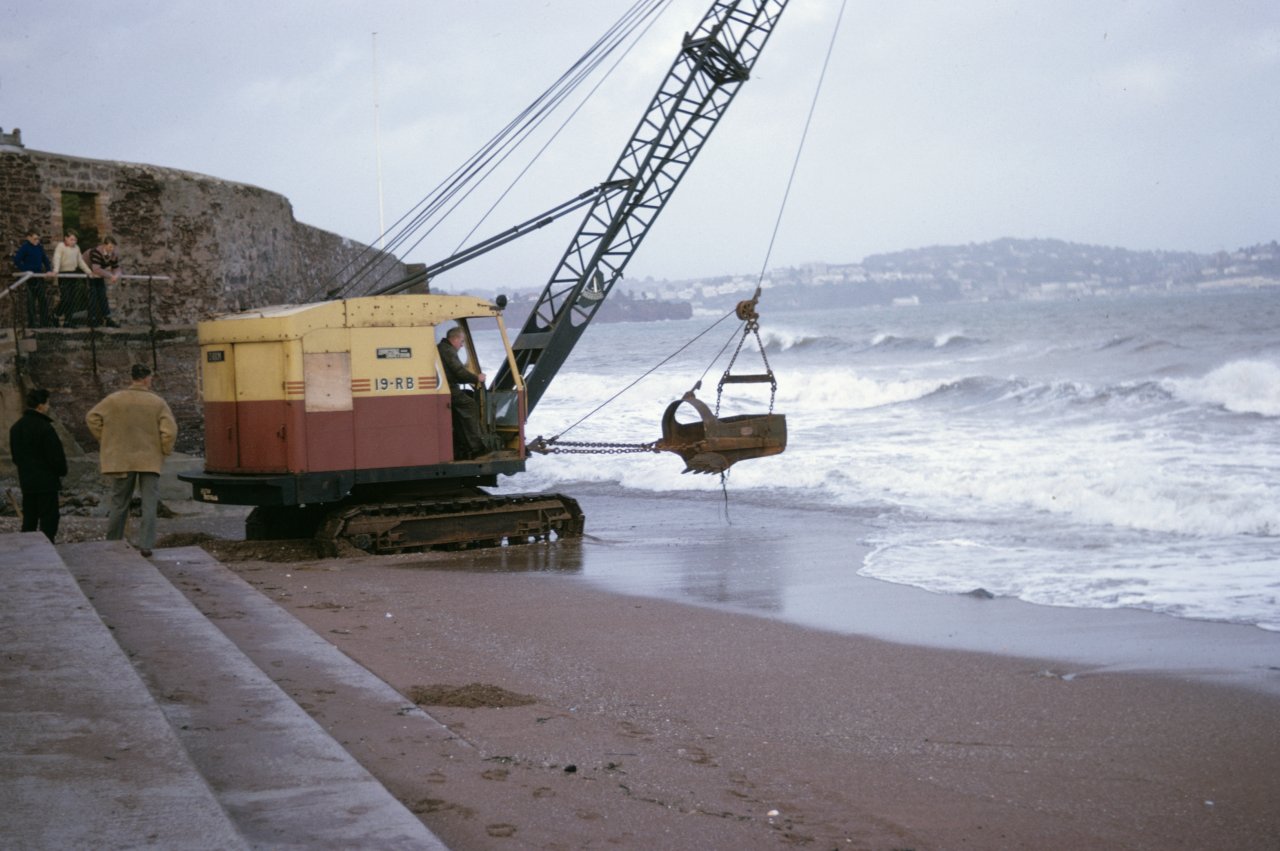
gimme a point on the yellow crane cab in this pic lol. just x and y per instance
(304, 403)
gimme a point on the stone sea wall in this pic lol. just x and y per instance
(225, 246)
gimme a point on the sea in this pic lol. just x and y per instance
(1092, 453)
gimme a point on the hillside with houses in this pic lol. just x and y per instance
(1004, 269)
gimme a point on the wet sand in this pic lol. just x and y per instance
(656, 723)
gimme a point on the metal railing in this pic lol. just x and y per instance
(38, 300)
(68, 300)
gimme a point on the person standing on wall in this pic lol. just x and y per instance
(135, 430)
(104, 263)
(37, 453)
(30, 257)
(67, 259)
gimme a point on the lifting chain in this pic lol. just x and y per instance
(575, 447)
(554, 446)
(746, 311)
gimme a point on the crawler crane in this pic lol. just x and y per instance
(335, 418)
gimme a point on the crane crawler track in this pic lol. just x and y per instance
(482, 520)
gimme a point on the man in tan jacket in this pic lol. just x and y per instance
(135, 430)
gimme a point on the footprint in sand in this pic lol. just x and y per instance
(695, 755)
(634, 731)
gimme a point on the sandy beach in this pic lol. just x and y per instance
(578, 715)
(703, 674)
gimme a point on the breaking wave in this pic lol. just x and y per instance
(945, 340)
(1241, 387)
(781, 340)
(980, 390)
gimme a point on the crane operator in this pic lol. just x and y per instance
(468, 441)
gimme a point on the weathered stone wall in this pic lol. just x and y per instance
(226, 246)
(80, 368)
(82, 469)
(25, 202)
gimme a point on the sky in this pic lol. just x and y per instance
(1144, 124)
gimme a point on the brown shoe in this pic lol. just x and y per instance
(145, 553)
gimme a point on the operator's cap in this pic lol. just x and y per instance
(139, 371)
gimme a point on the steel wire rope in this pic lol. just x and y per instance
(431, 203)
(494, 162)
(698, 384)
(642, 377)
(795, 164)
(526, 127)
(430, 207)
(607, 74)
(420, 212)
(517, 129)
(777, 224)
(804, 135)
(752, 325)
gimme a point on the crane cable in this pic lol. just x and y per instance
(745, 310)
(644, 447)
(491, 154)
(795, 164)
(563, 125)
(491, 164)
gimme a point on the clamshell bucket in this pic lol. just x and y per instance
(713, 445)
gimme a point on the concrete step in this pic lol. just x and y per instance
(87, 758)
(341, 694)
(279, 776)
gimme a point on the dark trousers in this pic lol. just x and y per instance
(468, 442)
(72, 299)
(99, 310)
(38, 313)
(40, 513)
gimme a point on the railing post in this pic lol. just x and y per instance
(10, 291)
(93, 353)
(151, 327)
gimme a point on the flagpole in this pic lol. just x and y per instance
(377, 144)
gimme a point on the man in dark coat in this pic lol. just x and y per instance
(468, 441)
(37, 452)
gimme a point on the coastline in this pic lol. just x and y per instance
(800, 566)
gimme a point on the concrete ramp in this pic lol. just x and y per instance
(128, 719)
(87, 758)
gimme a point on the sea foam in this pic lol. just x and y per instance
(1242, 387)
